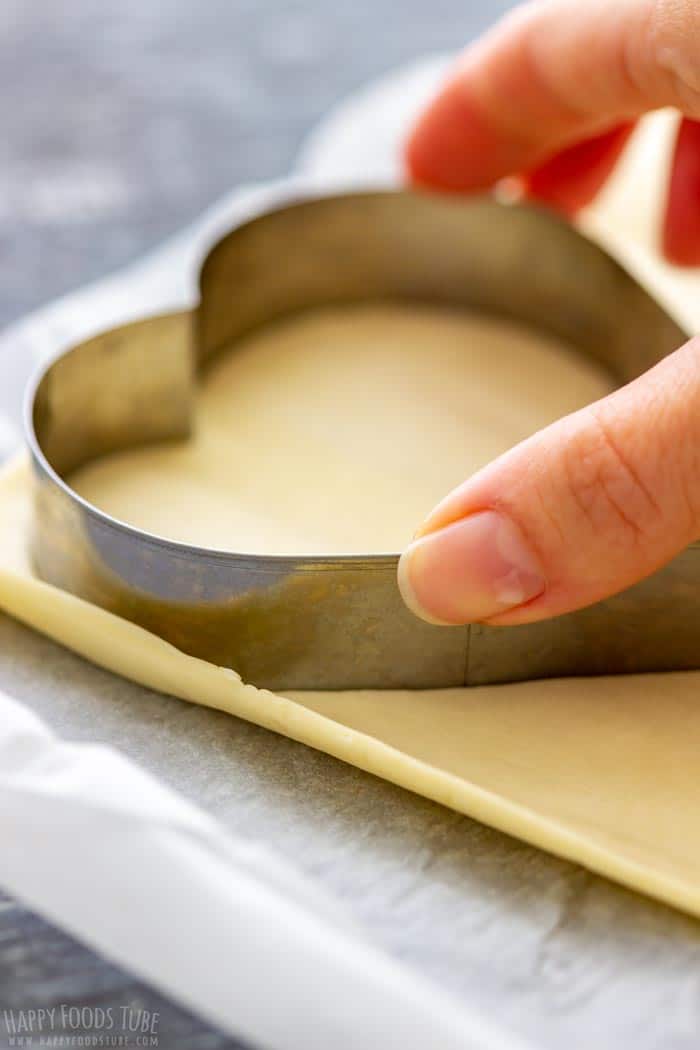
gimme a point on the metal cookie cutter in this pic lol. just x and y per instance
(338, 621)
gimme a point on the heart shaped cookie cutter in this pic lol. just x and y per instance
(337, 622)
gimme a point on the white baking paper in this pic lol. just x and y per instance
(221, 925)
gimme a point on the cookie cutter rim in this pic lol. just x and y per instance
(456, 656)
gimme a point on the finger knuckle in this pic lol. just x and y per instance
(608, 487)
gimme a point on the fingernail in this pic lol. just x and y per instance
(470, 570)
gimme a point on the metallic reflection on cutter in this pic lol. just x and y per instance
(337, 622)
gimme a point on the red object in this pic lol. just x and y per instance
(681, 231)
(570, 179)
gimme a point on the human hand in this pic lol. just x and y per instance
(607, 495)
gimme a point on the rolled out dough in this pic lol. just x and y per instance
(392, 406)
(338, 431)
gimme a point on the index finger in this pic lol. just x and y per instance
(546, 77)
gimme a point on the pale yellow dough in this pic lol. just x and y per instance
(392, 408)
(339, 430)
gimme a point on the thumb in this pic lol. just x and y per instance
(577, 512)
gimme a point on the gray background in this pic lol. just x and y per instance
(120, 122)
